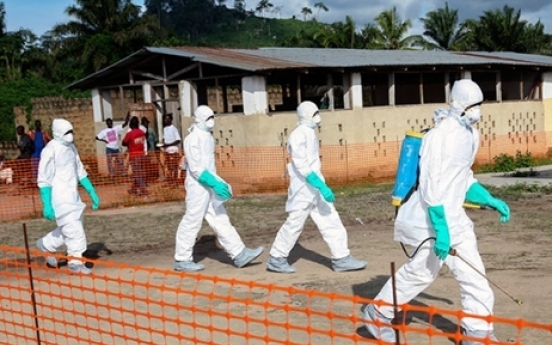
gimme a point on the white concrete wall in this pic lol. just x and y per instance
(374, 124)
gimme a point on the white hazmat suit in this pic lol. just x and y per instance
(59, 172)
(308, 195)
(445, 181)
(205, 193)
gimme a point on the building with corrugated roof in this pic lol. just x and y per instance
(368, 96)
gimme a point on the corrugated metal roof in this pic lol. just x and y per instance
(363, 57)
(236, 58)
(263, 59)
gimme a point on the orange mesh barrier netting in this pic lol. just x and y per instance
(248, 169)
(124, 304)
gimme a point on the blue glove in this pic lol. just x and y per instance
(479, 195)
(87, 185)
(442, 236)
(316, 182)
(47, 209)
(220, 188)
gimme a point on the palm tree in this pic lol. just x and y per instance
(2, 19)
(239, 5)
(262, 6)
(277, 11)
(536, 41)
(306, 11)
(103, 31)
(320, 6)
(501, 30)
(442, 29)
(391, 32)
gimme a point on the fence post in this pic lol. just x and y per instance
(395, 307)
(33, 299)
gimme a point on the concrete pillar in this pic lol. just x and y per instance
(146, 90)
(97, 105)
(106, 105)
(356, 90)
(547, 85)
(547, 105)
(255, 97)
(391, 89)
(498, 87)
(447, 88)
(187, 98)
(465, 75)
(347, 91)
(158, 114)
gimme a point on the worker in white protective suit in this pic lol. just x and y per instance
(205, 194)
(308, 195)
(59, 173)
(434, 211)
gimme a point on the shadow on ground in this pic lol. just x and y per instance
(370, 290)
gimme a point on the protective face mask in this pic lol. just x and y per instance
(473, 115)
(67, 138)
(207, 126)
(315, 121)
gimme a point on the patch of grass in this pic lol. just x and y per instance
(506, 163)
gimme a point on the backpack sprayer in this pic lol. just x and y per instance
(406, 182)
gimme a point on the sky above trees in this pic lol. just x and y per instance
(39, 16)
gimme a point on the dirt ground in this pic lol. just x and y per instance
(517, 255)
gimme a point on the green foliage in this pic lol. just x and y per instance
(504, 30)
(505, 163)
(524, 160)
(256, 32)
(18, 93)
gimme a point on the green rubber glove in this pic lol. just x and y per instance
(316, 182)
(47, 209)
(220, 188)
(502, 208)
(479, 195)
(87, 185)
(442, 236)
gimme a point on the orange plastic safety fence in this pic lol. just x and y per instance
(124, 304)
(160, 177)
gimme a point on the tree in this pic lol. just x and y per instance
(536, 41)
(339, 35)
(239, 5)
(391, 31)
(306, 11)
(101, 32)
(503, 30)
(442, 28)
(320, 6)
(277, 10)
(2, 19)
(262, 6)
